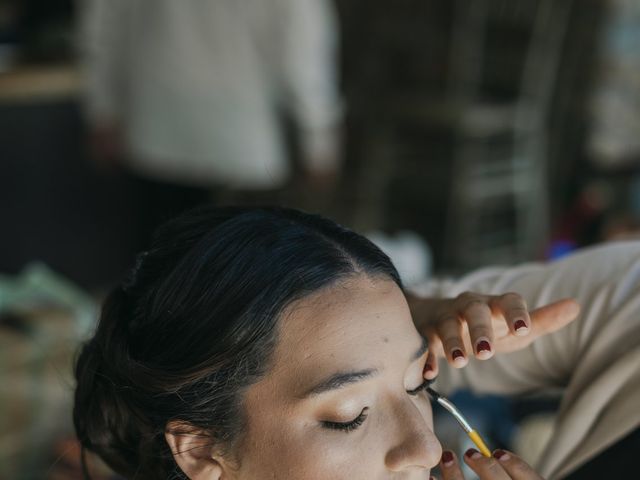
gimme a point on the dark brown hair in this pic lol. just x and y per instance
(195, 324)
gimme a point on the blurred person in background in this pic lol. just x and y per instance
(190, 97)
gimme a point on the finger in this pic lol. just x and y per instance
(450, 467)
(475, 311)
(487, 468)
(554, 316)
(515, 467)
(431, 366)
(544, 320)
(449, 330)
(514, 309)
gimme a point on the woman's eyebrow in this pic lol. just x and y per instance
(339, 380)
(342, 379)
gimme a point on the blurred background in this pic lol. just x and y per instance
(455, 133)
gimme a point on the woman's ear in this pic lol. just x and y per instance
(194, 452)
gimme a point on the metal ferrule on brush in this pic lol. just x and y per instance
(454, 411)
(450, 407)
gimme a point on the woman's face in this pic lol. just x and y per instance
(335, 403)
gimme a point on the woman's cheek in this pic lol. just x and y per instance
(322, 454)
(336, 458)
(423, 404)
(280, 447)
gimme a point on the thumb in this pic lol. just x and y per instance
(554, 316)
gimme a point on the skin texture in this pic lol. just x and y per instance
(359, 324)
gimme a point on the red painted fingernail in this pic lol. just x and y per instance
(501, 455)
(447, 458)
(457, 354)
(471, 452)
(483, 346)
(520, 324)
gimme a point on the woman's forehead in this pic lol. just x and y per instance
(361, 326)
(361, 317)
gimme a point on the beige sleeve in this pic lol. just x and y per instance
(605, 280)
(594, 361)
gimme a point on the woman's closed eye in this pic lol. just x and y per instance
(359, 420)
(348, 426)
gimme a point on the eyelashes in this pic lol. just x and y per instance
(422, 387)
(348, 426)
(359, 420)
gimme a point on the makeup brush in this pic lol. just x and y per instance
(451, 408)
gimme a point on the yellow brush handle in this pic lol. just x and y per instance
(475, 438)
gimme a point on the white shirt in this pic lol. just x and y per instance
(197, 84)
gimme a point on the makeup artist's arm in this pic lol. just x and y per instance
(473, 324)
(605, 281)
(592, 362)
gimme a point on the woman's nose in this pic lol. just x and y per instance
(415, 444)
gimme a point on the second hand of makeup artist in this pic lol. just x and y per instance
(481, 325)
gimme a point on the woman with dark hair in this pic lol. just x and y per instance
(269, 343)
